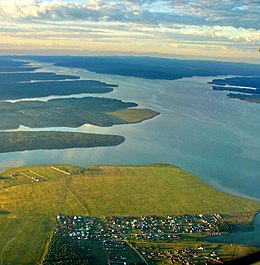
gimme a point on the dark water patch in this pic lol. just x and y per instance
(251, 238)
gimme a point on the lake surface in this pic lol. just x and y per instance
(250, 238)
(199, 129)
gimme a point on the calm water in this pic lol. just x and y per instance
(249, 238)
(199, 130)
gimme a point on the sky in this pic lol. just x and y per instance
(223, 29)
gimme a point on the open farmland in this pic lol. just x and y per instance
(31, 197)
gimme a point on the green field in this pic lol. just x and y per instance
(21, 141)
(134, 115)
(31, 197)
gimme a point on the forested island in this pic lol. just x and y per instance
(13, 91)
(19, 80)
(71, 112)
(11, 65)
(243, 88)
(21, 141)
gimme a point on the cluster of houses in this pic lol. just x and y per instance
(115, 232)
(155, 227)
(36, 112)
(143, 228)
(117, 252)
(185, 256)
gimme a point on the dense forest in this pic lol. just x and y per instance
(244, 88)
(19, 80)
(64, 252)
(151, 68)
(20, 141)
(71, 112)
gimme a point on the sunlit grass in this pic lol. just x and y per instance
(28, 209)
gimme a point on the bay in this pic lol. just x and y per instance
(249, 238)
(198, 129)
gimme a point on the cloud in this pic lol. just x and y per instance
(55, 10)
(204, 12)
(176, 23)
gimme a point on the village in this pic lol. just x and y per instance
(144, 237)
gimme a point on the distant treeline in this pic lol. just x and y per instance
(16, 82)
(149, 67)
(244, 88)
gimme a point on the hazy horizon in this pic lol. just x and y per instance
(173, 29)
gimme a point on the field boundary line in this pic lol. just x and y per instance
(86, 209)
(45, 250)
(136, 251)
(67, 184)
(46, 247)
(12, 239)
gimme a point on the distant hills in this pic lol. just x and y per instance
(150, 67)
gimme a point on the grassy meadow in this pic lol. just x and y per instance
(134, 115)
(29, 206)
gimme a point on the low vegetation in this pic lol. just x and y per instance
(31, 197)
(134, 115)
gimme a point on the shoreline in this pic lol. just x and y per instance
(207, 178)
(249, 238)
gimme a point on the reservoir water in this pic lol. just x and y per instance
(198, 129)
(250, 238)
